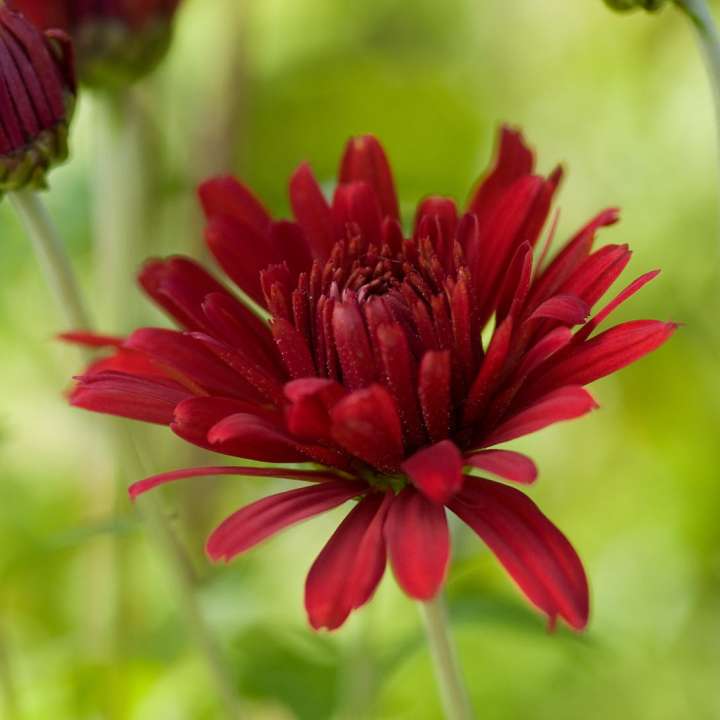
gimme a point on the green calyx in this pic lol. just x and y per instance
(383, 481)
(111, 55)
(28, 166)
(628, 5)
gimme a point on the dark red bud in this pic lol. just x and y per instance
(116, 41)
(37, 94)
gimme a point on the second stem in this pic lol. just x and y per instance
(447, 669)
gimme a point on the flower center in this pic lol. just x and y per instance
(383, 481)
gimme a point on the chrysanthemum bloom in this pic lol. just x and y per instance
(117, 41)
(372, 366)
(37, 94)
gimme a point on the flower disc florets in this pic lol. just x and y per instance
(369, 362)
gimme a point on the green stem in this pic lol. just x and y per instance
(447, 669)
(709, 41)
(121, 186)
(52, 257)
(184, 579)
(185, 583)
(60, 277)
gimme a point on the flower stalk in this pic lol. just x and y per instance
(120, 211)
(456, 703)
(708, 37)
(61, 279)
(219, 675)
(52, 257)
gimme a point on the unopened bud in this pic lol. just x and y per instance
(37, 95)
(116, 41)
(627, 5)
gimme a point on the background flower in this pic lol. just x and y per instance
(38, 81)
(117, 41)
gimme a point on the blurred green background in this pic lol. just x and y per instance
(90, 620)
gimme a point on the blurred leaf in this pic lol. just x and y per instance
(298, 669)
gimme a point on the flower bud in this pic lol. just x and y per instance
(116, 41)
(626, 5)
(37, 95)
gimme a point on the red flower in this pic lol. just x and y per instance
(117, 41)
(37, 94)
(372, 365)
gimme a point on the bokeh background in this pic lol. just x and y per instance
(90, 618)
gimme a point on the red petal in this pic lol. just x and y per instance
(434, 393)
(356, 206)
(130, 362)
(365, 160)
(231, 322)
(401, 375)
(620, 298)
(114, 393)
(466, 346)
(45, 68)
(418, 541)
(366, 424)
(490, 372)
(604, 354)
(255, 438)
(393, 234)
(548, 345)
(288, 241)
(194, 417)
(442, 208)
(293, 349)
(566, 403)
(505, 464)
(228, 196)
(91, 339)
(149, 483)
(194, 421)
(179, 285)
(259, 520)
(311, 401)
(569, 258)
(328, 391)
(500, 239)
(437, 219)
(535, 553)
(566, 309)
(353, 345)
(242, 252)
(513, 160)
(190, 359)
(312, 212)
(592, 279)
(22, 84)
(436, 471)
(260, 377)
(516, 285)
(350, 566)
